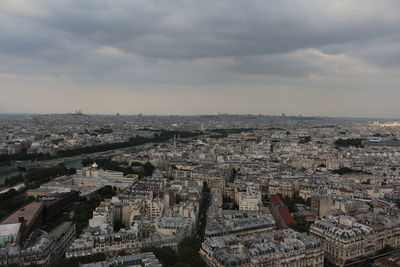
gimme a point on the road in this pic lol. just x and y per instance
(202, 221)
(55, 162)
(16, 187)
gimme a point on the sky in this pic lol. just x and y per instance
(309, 57)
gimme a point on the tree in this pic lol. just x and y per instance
(11, 201)
(186, 256)
(190, 242)
(11, 181)
(305, 139)
(136, 163)
(188, 253)
(133, 141)
(299, 227)
(109, 164)
(37, 176)
(291, 201)
(178, 199)
(233, 174)
(118, 225)
(356, 142)
(107, 192)
(83, 213)
(345, 170)
(148, 169)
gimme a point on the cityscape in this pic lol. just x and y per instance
(213, 133)
(212, 190)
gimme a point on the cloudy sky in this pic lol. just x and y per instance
(310, 57)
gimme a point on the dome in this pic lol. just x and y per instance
(94, 165)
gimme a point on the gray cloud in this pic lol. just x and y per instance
(282, 65)
(185, 30)
(303, 43)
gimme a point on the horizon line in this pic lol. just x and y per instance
(283, 115)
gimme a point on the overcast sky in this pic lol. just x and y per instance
(310, 57)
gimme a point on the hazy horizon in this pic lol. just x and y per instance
(210, 114)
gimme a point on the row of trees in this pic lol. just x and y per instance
(225, 132)
(108, 164)
(13, 180)
(23, 155)
(345, 170)
(356, 142)
(12, 200)
(162, 136)
(37, 176)
(133, 141)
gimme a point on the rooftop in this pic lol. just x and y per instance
(28, 212)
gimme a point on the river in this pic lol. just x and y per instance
(76, 164)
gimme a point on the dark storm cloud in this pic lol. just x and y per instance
(186, 56)
(183, 30)
(133, 40)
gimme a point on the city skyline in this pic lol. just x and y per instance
(326, 58)
(282, 115)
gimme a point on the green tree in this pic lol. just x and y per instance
(178, 199)
(356, 142)
(305, 139)
(148, 169)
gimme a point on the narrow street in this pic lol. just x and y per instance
(202, 220)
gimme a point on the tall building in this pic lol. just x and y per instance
(348, 238)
